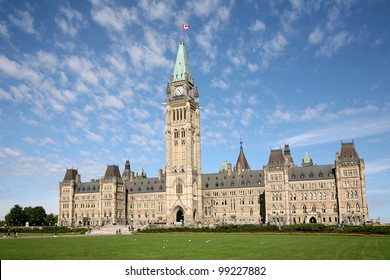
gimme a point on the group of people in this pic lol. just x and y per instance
(9, 234)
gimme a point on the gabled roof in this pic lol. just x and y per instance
(181, 65)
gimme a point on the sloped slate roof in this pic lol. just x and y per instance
(348, 152)
(276, 158)
(145, 185)
(254, 178)
(315, 172)
(70, 174)
(88, 187)
(112, 171)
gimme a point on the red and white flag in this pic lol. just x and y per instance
(185, 26)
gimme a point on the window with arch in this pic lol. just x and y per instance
(356, 195)
(176, 134)
(293, 209)
(323, 208)
(179, 188)
(348, 207)
(183, 133)
(313, 209)
(334, 208)
(357, 207)
(304, 210)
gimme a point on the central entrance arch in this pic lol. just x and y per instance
(180, 215)
(313, 220)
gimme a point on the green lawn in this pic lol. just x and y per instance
(199, 246)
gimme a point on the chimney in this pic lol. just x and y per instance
(239, 168)
(159, 175)
(229, 169)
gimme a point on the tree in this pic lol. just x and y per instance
(51, 219)
(35, 215)
(16, 216)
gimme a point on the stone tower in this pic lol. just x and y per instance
(183, 164)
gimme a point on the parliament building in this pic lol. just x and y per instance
(283, 192)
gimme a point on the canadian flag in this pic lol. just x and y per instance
(185, 26)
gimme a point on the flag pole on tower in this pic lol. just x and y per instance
(184, 26)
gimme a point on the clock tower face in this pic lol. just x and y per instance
(179, 90)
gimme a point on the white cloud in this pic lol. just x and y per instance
(253, 67)
(18, 71)
(70, 21)
(4, 30)
(219, 83)
(378, 166)
(348, 129)
(316, 36)
(247, 116)
(10, 152)
(140, 113)
(273, 48)
(24, 21)
(39, 141)
(92, 136)
(5, 95)
(113, 102)
(84, 68)
(334, 43)
(157, 9)
(204, 8)
(114, 18)
(258, 25)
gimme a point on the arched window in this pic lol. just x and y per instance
(334, 208)
(294, 197)
(313, 209)
(323, 208)
(304, 209)
(173, 115)
(273, 209)
(348, 207)
(183, 133)
(293, 210)
(356, 195)
(357, 207)
(332, 196)
(179, 188)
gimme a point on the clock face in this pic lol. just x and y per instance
(179, 90)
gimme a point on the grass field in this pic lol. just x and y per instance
(199, 246)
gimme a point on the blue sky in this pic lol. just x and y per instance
(82, 85)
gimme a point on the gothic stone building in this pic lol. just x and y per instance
(280, 193)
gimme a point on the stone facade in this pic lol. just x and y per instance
(280, 193)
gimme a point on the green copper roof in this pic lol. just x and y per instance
(307, 158)
(224, 166)
(181, 65)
